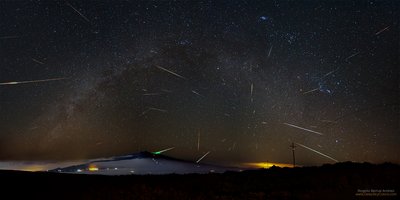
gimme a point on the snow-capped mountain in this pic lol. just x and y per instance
(142, 163)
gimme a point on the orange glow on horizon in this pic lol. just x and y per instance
(33, 168)
(266, 165)
(93, 168)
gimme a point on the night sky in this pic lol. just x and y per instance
(241, 79)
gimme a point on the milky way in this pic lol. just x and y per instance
(237, 81)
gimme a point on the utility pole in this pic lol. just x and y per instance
(294, 158)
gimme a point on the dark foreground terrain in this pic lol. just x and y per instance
(339, 181)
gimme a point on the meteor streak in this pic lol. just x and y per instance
(251, 89)
(303, 128)
(313, 150)
(251, 92)
(202, 157)
(171, 72)
(152, 108)
(382, 30)
(162, 151)
(157, 109)
(37, 61)
(328, 121)
(152, 94)
(269, 52)
(32, 81)
(77, 11)
(313, 90)
(329, 73)
(352, 55)
(198, 94)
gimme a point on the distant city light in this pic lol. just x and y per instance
(93, 169)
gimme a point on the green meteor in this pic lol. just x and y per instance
(162, 151)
